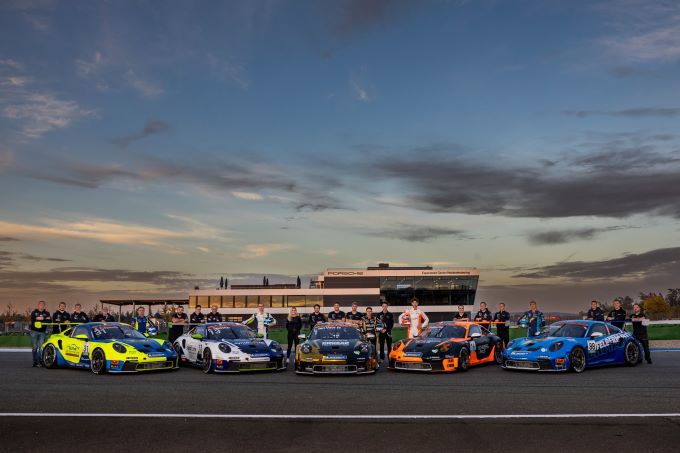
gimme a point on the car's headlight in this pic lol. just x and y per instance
(445, 347)
(512, 342)
(306, 348)
(361, 349)
(275, 346)
(396, 345)
(167, 345)
(119, 348)
(224, 348)
(556, 346)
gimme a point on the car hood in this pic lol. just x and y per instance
(424, 344)
(248, 345)
(335, 346)
(143, 345)
(536, 344)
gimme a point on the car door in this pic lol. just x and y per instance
(193, 345)
(482, 344)
(599, 345)
(77, 349)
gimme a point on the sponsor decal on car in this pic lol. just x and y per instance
(606, 344)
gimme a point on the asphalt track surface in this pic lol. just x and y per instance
(478, 410)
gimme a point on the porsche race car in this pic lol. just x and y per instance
(228, 347)
(445, 347)
(573, 345)
(336, 348)
(107, 347)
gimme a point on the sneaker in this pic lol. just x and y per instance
(35, 364)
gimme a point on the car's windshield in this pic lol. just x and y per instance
(445, 332)
(225, 332)
(115, 332)
(566, 330)
(335, 333)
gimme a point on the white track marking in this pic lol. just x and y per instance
(337, 417)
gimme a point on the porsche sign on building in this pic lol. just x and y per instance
(438, 290)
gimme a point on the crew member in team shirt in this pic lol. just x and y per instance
(535, 319)
(61, 318)
(179, 320)
(316, 316)
(640, 330)
(415, 319)
(461, 315)
(386, 319)
(503, 329)
(483, 315)
(617, 317)
(214, 315)
(197, 317)
(78, 315)
(336, 314)
(595, 313)
(354, 316)
(104, 316)
(39, 315)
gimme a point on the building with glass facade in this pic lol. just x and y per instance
(439, 291)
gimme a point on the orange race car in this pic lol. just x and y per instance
(447, 346)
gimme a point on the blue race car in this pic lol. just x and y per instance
(573, 345)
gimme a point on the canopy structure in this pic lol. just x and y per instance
(143, 302)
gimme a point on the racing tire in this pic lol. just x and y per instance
(178, 350)
(98, 362)
(464, 360)
(577, 360)
(207, 361)
(498, 353)
(49, 356)
(631, 354)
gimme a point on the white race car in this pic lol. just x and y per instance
(228, 347)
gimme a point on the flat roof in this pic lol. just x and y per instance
(402, 272)
(269, 291)
(123, 302)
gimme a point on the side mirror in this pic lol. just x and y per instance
(301, 337)
(82, 336)
(475, 335)
(197, 336)
(596, 334)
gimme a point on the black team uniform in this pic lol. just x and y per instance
(293, 326)
(60, 317)
(640, 332)
(315, 318)
(619, 318)
(385, 338)
(503, 330)
(596, 315)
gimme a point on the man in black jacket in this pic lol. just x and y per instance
(78, 315)
(316, 316)
(104, 316)
(214, 315)
(503, 330)
(197, 317)
(640, 330)
(483, 315)
(38, 333)
(61, 318)
(386, 319)
(617, 317)
(595, 313)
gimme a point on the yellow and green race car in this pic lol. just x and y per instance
(107, 347)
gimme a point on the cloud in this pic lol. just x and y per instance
(40, 113)
(417, 233)
(107, 231)
(228, 70)
(663, 262)
(261, 250)
(247, 195)
(152, 127)
(449, 178)
(145, 87)
(554, 237)
(361, 90)
(8, 259)
(87, 68)
(8, 239)
(638, 112)
(9, 63)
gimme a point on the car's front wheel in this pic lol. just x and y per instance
(98, 362)
(498, 353)
(49, 356)
(632, 354)
(577, 359)
(207, 361)
(464, 360)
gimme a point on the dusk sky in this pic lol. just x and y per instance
(148, 146)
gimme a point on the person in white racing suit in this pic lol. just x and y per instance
(263, 321)
(414, 318)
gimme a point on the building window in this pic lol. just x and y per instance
(192, 301)
(227, 301)
(313, 300)
(251, 301)
(216, 300)
(296, 301)
(264, 300)
(239, 301)
(203, 301)
(277, 301)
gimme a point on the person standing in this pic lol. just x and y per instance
(535, 319)
(415, 319)
(61, 318)
(293, 326)
(640, 330)
(197, 317)
(502, 317)
(370, 326)
(354, 317)
(263, 321)
(386, 320)
(461, 315)
(104, 316)
(483, 315)
(39, 315)
(141, 322)
(595, 313)
(179, 320)
(79, 316)
(214, 315)
(316, 316)
(336, 314)
(617, 317)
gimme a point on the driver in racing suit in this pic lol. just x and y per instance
(263, 321)
(534, 316)
(142, 323)
(414, 318)
(370, 326)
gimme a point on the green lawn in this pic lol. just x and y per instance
(658, 332)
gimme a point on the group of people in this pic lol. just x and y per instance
(59, 321)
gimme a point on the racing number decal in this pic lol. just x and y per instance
(86, 349)
(473, 346)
